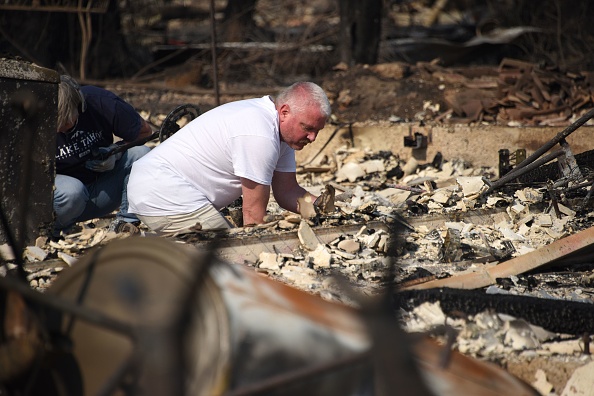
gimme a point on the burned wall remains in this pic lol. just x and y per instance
(28, 115)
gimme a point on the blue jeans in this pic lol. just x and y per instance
(75, 201)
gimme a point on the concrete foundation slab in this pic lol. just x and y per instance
(479, 145)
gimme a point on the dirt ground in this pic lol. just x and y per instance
(357, 94)
(360, 94)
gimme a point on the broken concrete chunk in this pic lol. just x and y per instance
(373, 166)
(434, 205)
(341, 254)
(470, 185)
(268, 261)
(382, 245)
(554, 233)
(41, 241)
(286, 225)
(543, 220)
(300, 276)
(519, 335)
(493, 201)
(42, 273)
(565, 210)
(442, 195)
(410, 167)
(34, 253)
(350, 171)
(293, 218)
(580, 382)
(447, 168)
(349, 246)
(518, 209)
(529, 195)
(6, 252)
(307, 237)
(510, 234)
(321, 257)
(68, 259)
(424, 316)
(361, 231)
(458, 225)
(372, 240)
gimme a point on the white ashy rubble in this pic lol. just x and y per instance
(451, 230)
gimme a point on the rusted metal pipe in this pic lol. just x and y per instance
(558, 138)
(517, 172)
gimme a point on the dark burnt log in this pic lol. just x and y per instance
(560, 316)
(360, 29)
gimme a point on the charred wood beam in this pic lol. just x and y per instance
(560, 316)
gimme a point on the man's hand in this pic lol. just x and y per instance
(325, 202)
(107, 164)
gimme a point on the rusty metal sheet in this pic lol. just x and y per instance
(243, 329)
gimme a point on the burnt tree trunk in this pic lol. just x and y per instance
(239, 20)
(53, 40)
(360, 30)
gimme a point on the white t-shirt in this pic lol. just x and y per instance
(202, 163)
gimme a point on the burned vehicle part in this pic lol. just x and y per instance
(223, 329)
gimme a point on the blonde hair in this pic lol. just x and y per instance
(70, 101)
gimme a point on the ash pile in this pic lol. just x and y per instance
(497, 270)
(491, 263)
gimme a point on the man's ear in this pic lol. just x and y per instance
(284, 111)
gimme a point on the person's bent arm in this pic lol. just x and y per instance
(255, 200)
(145, 130)
(286, 190)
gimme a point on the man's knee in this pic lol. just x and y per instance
(135, 153)
(70, 198)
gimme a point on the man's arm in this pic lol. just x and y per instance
(255, 200)
(286, 190)
(145, 130)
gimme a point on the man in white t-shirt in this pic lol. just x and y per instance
(241, 148)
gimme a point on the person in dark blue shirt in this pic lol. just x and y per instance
(87, 187)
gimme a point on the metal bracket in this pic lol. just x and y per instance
(418, 141)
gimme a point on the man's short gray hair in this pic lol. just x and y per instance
(302, 95)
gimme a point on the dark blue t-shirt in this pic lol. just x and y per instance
(106, 115)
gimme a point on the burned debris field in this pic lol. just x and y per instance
(453, 229)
